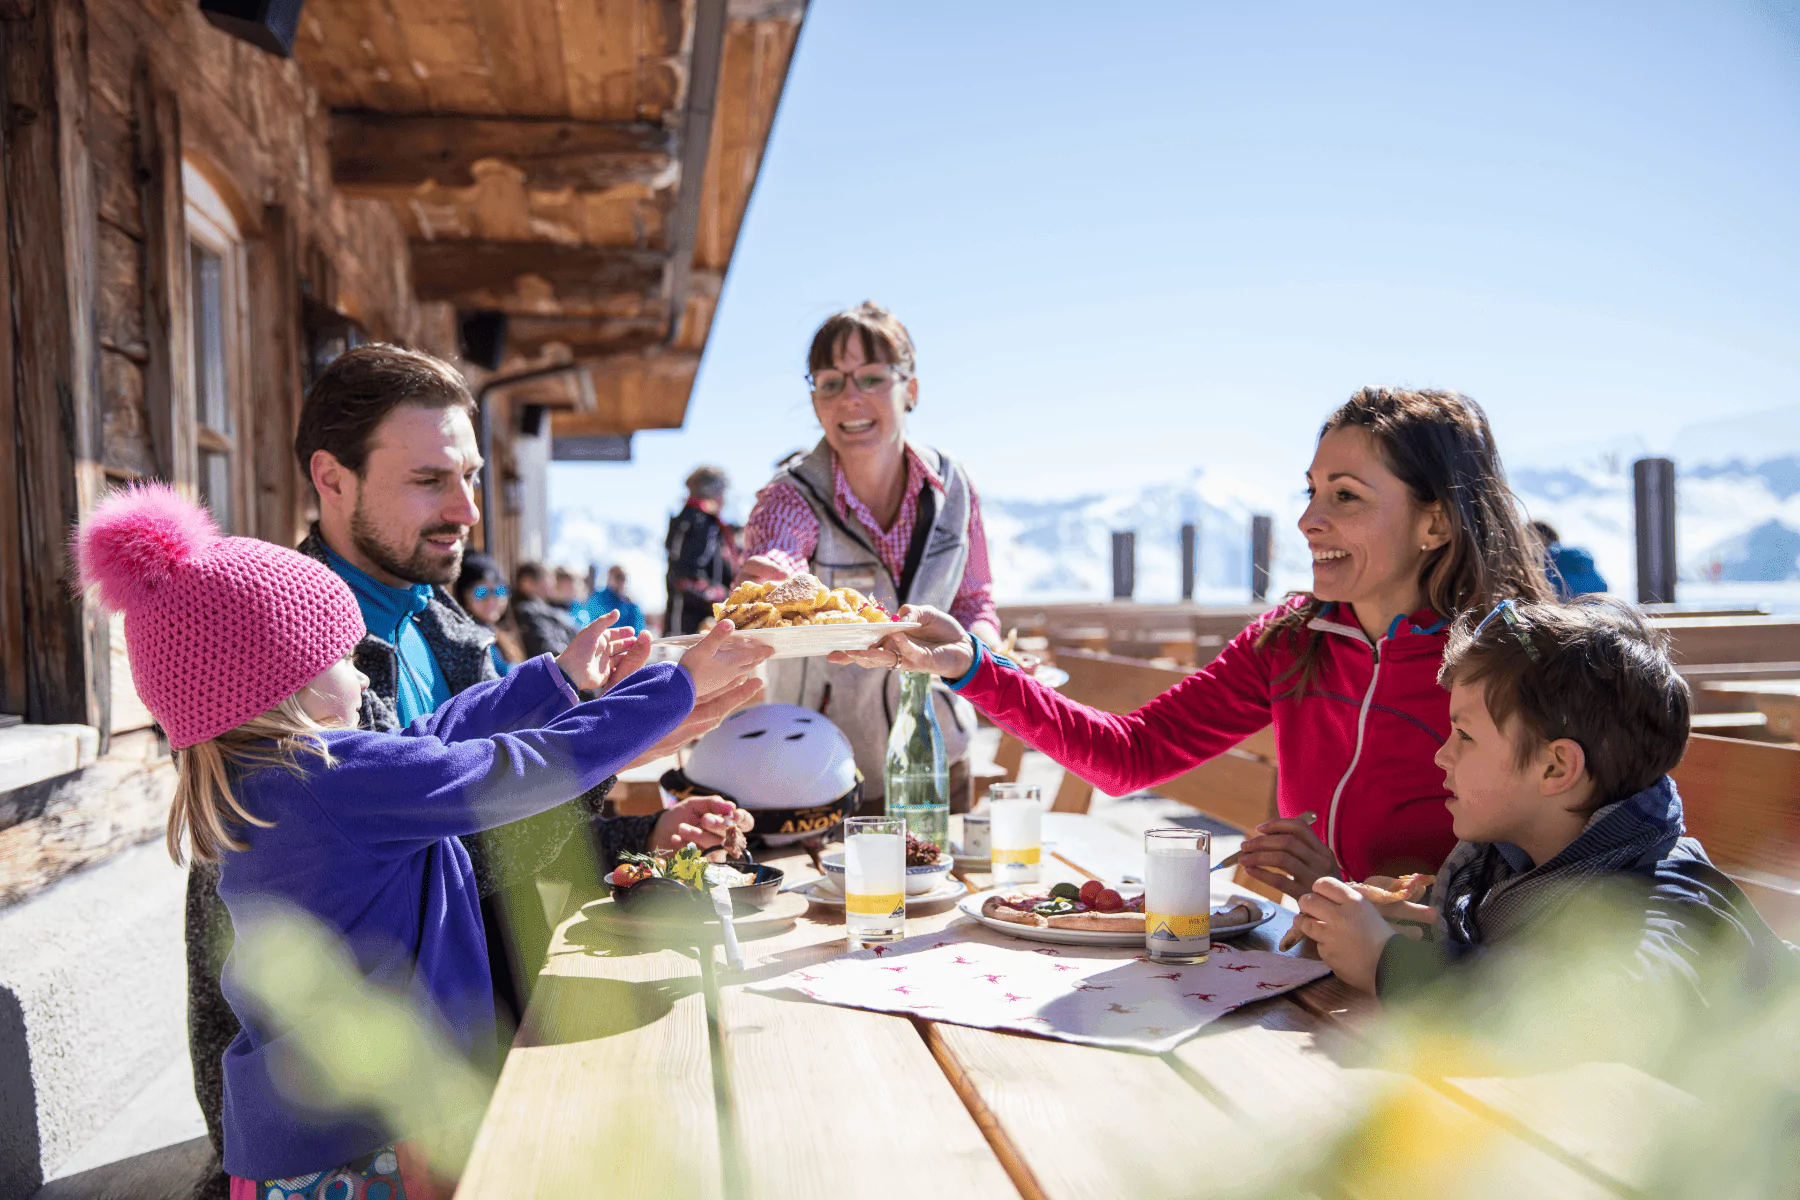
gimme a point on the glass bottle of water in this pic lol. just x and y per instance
(917, 774)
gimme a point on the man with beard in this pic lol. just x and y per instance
(387, 437)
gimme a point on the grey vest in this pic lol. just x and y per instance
(861, 701)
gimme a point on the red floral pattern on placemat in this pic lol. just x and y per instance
(974, 976)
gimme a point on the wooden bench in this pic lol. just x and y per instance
(1731, 639)
(1710, 700)
(1742, 800)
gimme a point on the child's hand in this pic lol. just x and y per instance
(1288, 855)
(599, 656)
(716, 661)
(701, 820)
(1349, 929)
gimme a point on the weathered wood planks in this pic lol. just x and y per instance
(608, 1089)
(372, 151)
(51, 239)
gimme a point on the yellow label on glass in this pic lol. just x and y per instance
(866, 904)
(1173, 928)
(1018, 858)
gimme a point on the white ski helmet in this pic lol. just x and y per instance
(788, 765)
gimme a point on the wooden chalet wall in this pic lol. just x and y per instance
(539, 157)
(166, 87)
(105, 102)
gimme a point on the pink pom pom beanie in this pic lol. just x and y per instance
(220, 629)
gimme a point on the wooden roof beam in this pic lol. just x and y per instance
(377, 150)
(534, 277)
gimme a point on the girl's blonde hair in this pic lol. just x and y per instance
(205, 806)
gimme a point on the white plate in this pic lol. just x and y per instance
(809, 641)
(971, 907)
(822, 893)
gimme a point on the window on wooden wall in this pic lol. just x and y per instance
(217, 317)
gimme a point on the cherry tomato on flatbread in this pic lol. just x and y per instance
(1135, 904)
(1109, 901)
(1090, 892)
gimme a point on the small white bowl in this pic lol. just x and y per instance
(919, 880)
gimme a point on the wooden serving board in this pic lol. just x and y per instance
(604, 919)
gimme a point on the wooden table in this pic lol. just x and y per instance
(653, 1072)
(1777, 699)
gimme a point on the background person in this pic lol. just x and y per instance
(482, 591)
(544, 627)
(1410, 524)
(1570, 568)
(387, 439)
(701, 557)
(871, 510)
(614, 598)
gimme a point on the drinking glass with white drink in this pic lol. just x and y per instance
(1016, 824)
(875, 880)
(1177, 895)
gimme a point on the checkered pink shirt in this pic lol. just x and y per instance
(783, 527)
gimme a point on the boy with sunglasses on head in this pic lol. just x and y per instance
(1565, 721)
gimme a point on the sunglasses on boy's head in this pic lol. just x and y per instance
(1515, 624)
(483, 591)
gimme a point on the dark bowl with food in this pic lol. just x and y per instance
(665, 899)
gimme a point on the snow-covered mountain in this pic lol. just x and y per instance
(1738, 506)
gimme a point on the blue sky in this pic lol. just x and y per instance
(1134, 239)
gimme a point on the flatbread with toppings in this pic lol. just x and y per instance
(1092, 906)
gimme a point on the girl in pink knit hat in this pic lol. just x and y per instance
(241, 650)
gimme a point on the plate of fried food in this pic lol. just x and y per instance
(799, 617)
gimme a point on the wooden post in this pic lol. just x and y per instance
(1190, 558)
(273, 268)
(168, 332)
(1653, 490)
(12, 596)
(50, 230)
(1124, 564)
(1262, 540)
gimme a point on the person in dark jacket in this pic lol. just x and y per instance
(1565, 721)
(701, 556)
(1570, 569)
(387, 439)
(544, 627)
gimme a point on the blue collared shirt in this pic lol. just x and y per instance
(390, 613)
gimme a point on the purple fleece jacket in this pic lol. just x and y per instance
(368, 848)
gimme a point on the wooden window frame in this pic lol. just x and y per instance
(214, 227)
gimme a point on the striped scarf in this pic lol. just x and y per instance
(1484, 901)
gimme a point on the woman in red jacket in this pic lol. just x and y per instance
(1410, 522)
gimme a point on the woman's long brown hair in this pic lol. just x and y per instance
(1439, 445)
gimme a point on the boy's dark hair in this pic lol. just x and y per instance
(359, 389)
(1589, 670)
(529, 571)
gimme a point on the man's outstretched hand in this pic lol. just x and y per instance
(704, 719)
(718, 660)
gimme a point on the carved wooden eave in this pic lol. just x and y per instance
(534, 150)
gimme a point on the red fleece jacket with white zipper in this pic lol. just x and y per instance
(1357, 748)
